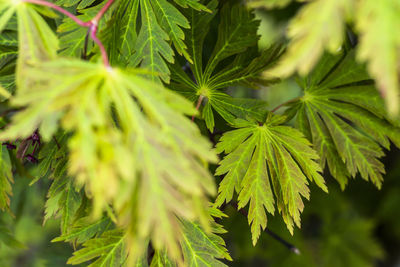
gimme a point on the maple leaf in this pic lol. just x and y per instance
(104, 149)
(336, 95)
(238, 38)
(261, 155)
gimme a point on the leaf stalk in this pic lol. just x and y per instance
(92, 24)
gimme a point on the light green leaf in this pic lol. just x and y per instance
(258, 155)
(171, 179)
(4, 94)
(380, 47)
(37, 42)
(7, 9)
(269, 3)
(318, 26)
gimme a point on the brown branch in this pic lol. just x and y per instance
(290, 246)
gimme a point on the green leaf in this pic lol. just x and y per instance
(195, 4)
(151, 45)
(84, 229)
(161, 259)
(6, 178)
(195, 36)
(237, 37)
(237, 32)
(9, 38)
(172, 20)
(7, 9)
(109, 249)
(120, 33)
(72, 40)
(201, 248)
(258, 155)
(329, 113)
(62, 198)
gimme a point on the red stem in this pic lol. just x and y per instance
(103, 10)
(284, 104)
(92, 24)
(61, 10)
(201, 97)
(93, 32)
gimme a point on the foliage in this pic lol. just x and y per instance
(320, 25)
(95, 108)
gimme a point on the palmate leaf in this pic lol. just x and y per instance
(237, 37)
(118, 119)
(6, 178)
(345, 118)
(261, 155)
(109, 249)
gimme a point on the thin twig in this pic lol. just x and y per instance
(93, 32)
(85, 46)
(201, 97)
(284, 104)
(92, 24)
(100, 14)
(61, 10)
(290, 246)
